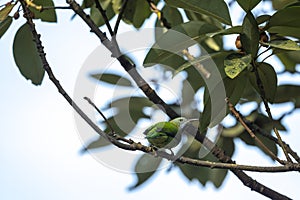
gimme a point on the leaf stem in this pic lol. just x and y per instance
(268, 110)
(120, 16)
(103, 13)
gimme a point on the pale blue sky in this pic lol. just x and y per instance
(39, 142)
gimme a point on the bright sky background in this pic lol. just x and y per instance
(39, 146)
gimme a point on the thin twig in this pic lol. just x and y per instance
(265, 101)
(8, 3)
(259, 142)
(204, 163)
(268, 56)
(262, 132)
(54, 8)
(99, 111)
(263, 52)
(120, 16)
(103, 13)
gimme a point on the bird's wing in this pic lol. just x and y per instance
(161, 129)
(148, 129)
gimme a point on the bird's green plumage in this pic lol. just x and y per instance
(165, 134)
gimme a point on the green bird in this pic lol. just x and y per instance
(165, 134)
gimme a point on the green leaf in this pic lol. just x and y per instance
(168, 47)
(250, 35)
(235, 88)
(194, 78)
(213, 8)
(285, 31)
(227, 144)
(204, 174)
(188, 100)
(235, 63)
(279, 4)
(229, 31)
(295, 3)
(112, 79)
(96, 15)
(4, 12)
(137, 12)
(215, 108)
(248, 5)
(87, 4)
(288, 93)
(145, 167)
(193, 16)
(172, 15)
(129, 111)
(283, 44)
(217, 176)
(262, 19)
(268, 79)
(194, 172)
(289, 59)
(266, 124)
(196, 30)
(284, 22)
(4, 25)
(159, 56)
(46, 15)
(26, 56)
(250, 95)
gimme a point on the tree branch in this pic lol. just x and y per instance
(150, 93)
(260, 131)
(203, 163)
(259, 142)
(248, 181)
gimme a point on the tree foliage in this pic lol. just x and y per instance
(244, 70)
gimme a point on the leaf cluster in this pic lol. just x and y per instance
(241, 72)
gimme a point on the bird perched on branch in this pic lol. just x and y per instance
(165, 134)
